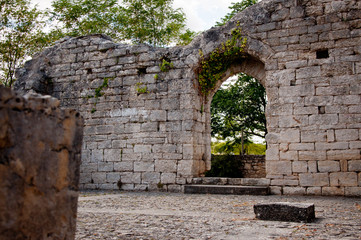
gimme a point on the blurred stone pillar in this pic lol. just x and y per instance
(40, 148)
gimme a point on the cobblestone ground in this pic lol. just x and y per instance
(145, 215)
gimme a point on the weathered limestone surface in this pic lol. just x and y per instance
(39, 167)
(149, 129)
(285, 211)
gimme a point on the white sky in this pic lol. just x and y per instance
(201, 14)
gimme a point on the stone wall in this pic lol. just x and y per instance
(147, 126)
(39, 167)
(253, 166)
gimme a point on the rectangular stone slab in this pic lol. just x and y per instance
(226, 189)
(285, 211)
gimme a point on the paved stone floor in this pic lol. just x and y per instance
(146, 215)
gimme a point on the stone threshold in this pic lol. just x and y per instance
(232, 181)
(226, 189)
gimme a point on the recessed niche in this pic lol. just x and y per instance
(142, 71)
(293, 83)
(321, 110)
(320, 54)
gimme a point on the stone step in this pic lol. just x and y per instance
(226, 189)
(232, 181)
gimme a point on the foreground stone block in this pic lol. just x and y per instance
(286, 211)
(39, 167)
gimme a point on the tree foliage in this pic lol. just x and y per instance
(84, 17)
(154, 22)
(236, 8)
(140, 21)
(21, 36)
(239, 110)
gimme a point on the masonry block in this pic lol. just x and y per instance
(348, 179)
(285, 211)
(354, 165)
(294, 190)
(328, 166)
(314, 179)
(278, 167)
(299, 167)
(333, 191)
(313, 191)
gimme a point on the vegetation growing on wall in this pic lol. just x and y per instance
(99, 93)
(140, 88)
(213, 67)
(165, 66)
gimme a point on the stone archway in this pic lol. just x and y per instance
(250, 66)
(146, 130)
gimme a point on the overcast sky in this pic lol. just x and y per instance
(201, 14)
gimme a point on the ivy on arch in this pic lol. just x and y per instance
(212, 68)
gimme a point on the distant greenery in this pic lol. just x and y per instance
(141, 21)
(224, 148)
(238, 111)
(25, 30)
(154, 22)
(21, 36)
(84, 17)
(236, 8)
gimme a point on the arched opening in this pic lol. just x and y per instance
(253, 71)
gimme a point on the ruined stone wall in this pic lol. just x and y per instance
(142, 127)
(146, 128)
(39, 167)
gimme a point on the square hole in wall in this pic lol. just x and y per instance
(320, 54)
(321, 110)
(142, 71)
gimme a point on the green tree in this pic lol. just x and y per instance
(154, 22)
(238, 111)
(84, 17)
(186, 37)
(141, 21)
(21, 36)
(236, 8)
